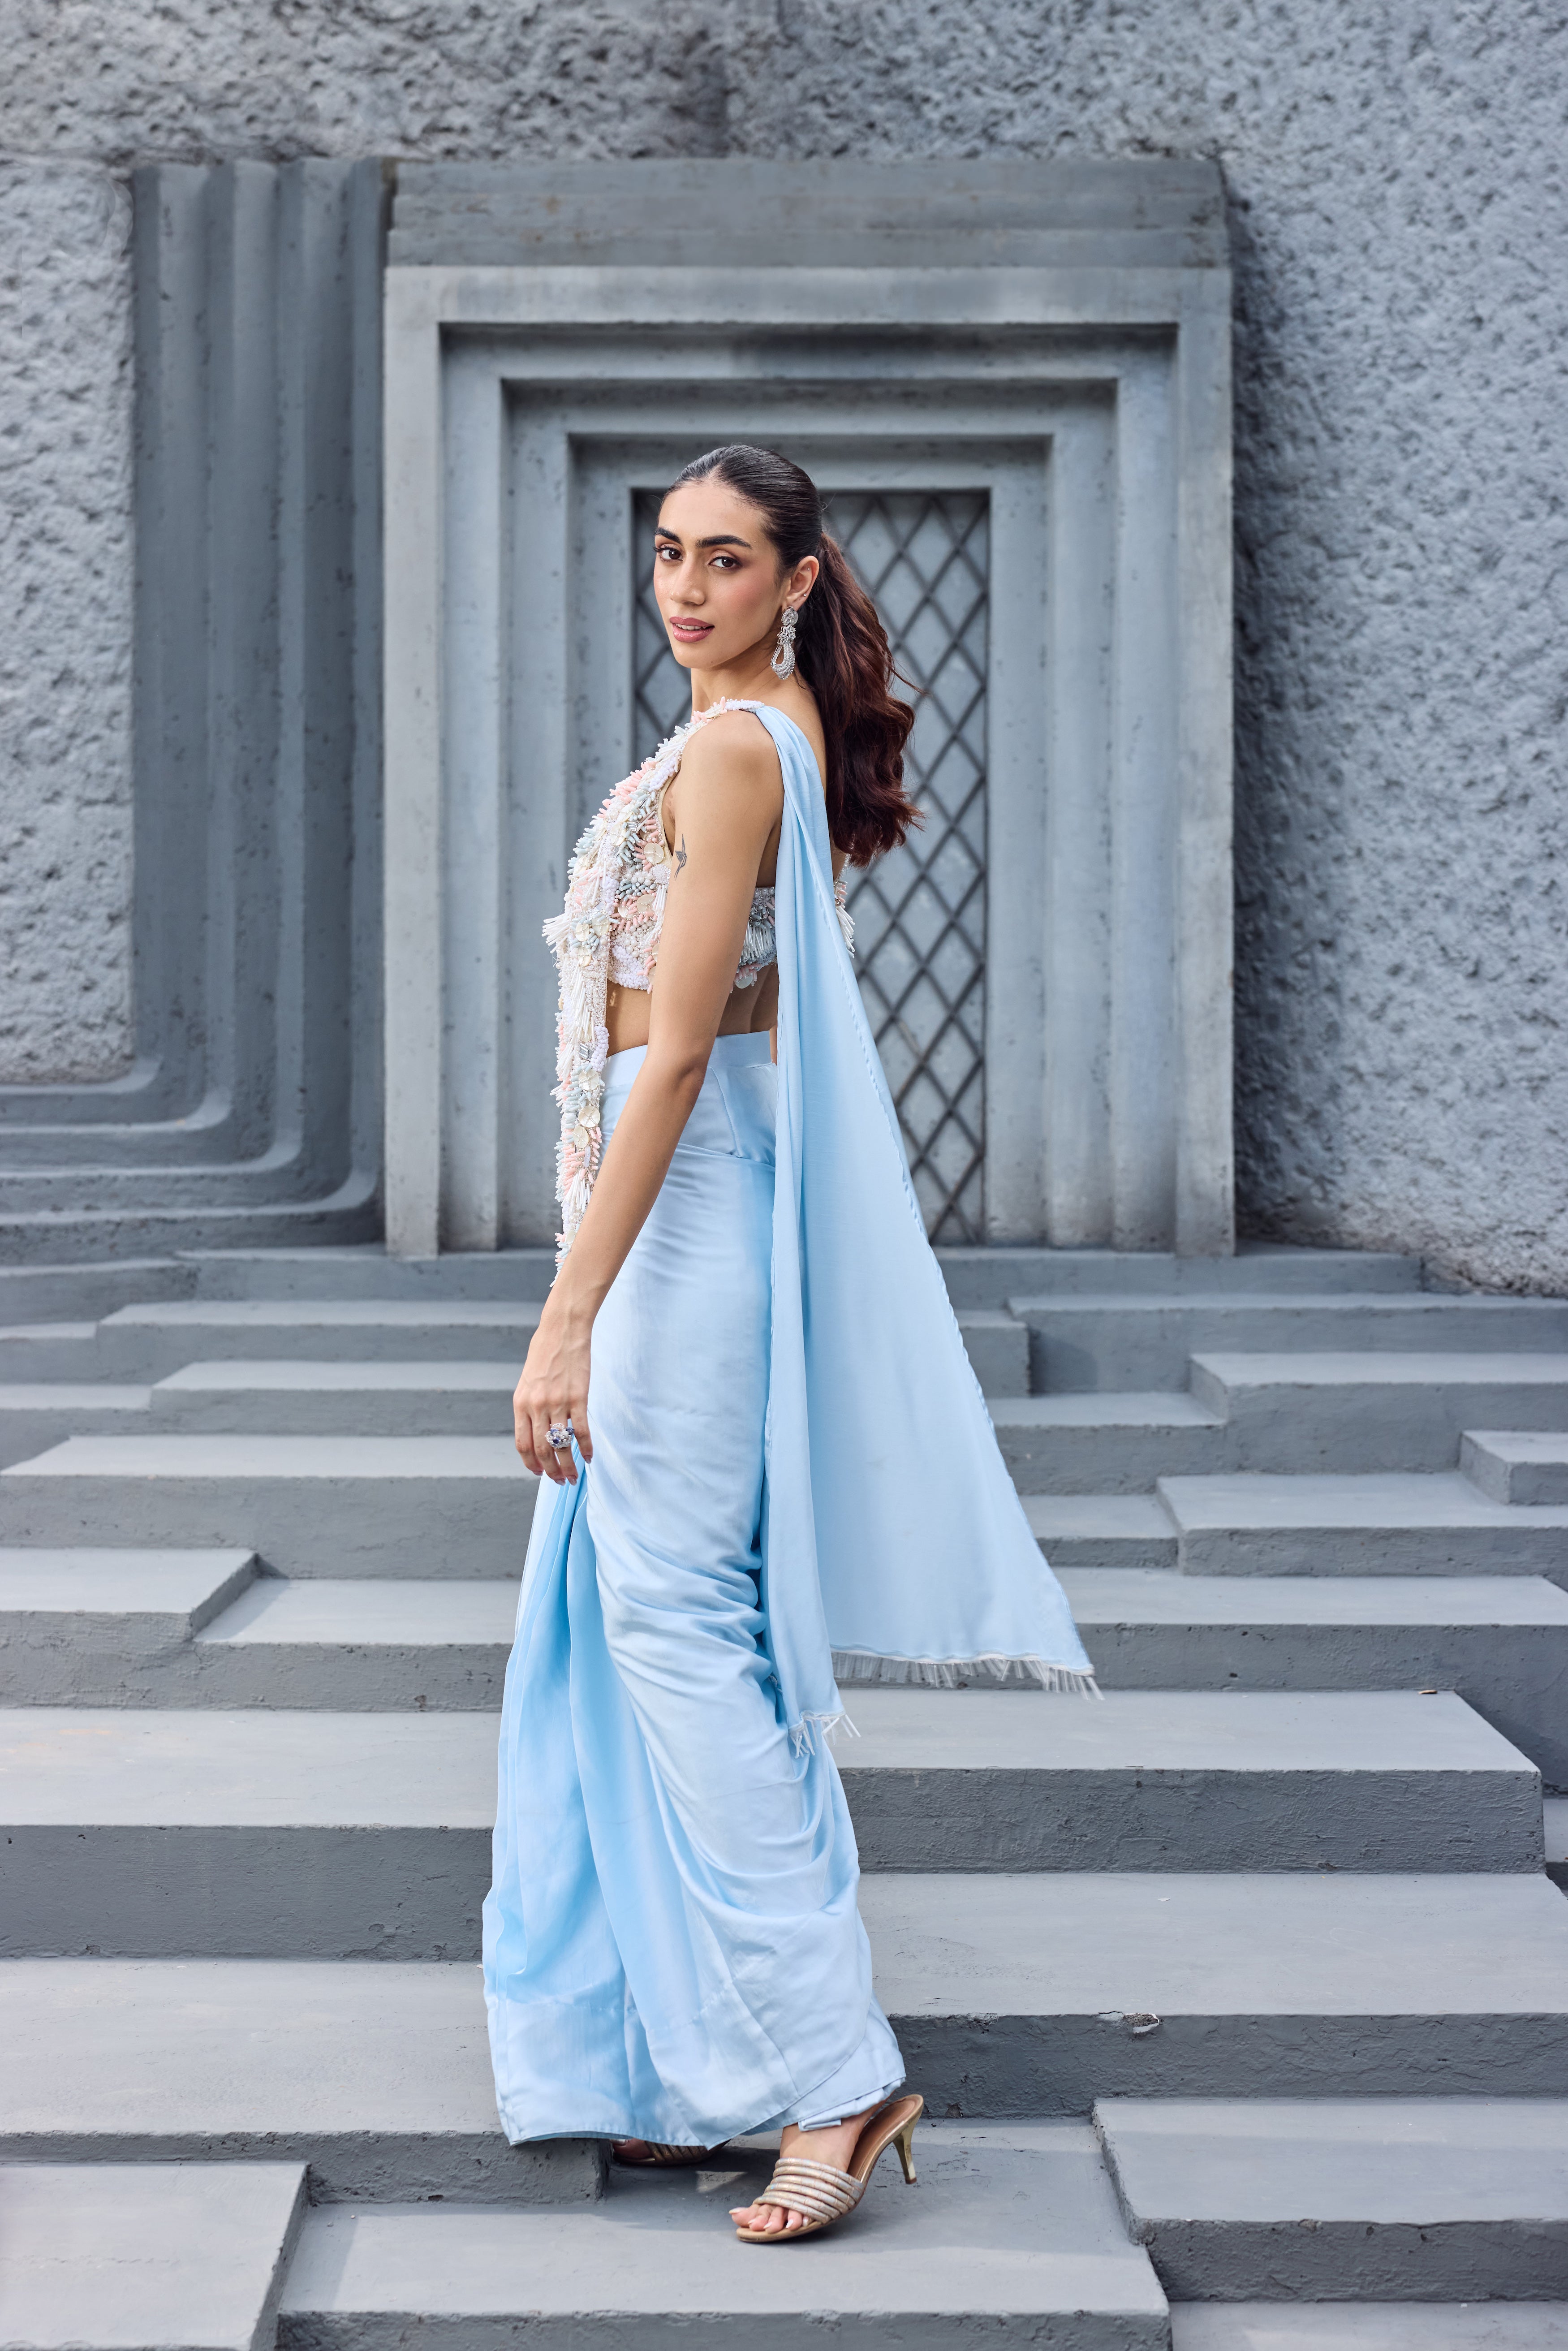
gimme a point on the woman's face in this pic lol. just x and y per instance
(716, 576)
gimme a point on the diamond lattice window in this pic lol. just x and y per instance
(920, 912)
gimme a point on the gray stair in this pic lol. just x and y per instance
(1525, 1465)
(36, 1415)
(1399, 2198)
(1500, 1641)
(1358, 1412)
(368, 1399)
(1103, 1530)
(110, 1627)
(421, 1506)
(1030, 1996)
(1395, 1523)
(263, 1832)
(147, 2257)
(1011, 2232)
(991, 1276)
(1110, 1339)
(377, 2075)
(152, 1341)
(1555, 1825)
(1369, 2326)
(1112, 1444)
(30, 1352)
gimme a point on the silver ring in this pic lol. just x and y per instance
(561, 1437)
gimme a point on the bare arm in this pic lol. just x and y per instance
(726, 802)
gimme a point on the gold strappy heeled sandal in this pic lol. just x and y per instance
(657, 2152)
(825, 2194)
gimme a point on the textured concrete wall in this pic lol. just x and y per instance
(65, 623)
(1399, 215)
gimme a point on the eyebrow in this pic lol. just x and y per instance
(721, 538)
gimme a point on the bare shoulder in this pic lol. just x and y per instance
(734, 751)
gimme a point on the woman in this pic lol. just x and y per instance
(771, 1462)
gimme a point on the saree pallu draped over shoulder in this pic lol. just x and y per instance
(795, 1482)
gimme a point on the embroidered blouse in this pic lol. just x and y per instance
(608, 932)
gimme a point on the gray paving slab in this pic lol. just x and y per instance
(107, 1627)
(1435, 2200)
(1392, 1523)
(337, 1506)
(146, 2257)
(1517, 1464)
(1370, 2326)
(378, 2076)
(1010, 2229)
(1354, 1412)
(1103, 1530)
(262, 1832)
(1110, 1339)
(1500, 1641)
(1110, 1444)
(40, 1413)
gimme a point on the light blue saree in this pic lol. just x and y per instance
(793, 1470)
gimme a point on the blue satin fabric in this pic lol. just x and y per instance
(671, 1946)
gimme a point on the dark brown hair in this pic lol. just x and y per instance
(840, 650)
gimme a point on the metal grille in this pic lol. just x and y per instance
(920, 912)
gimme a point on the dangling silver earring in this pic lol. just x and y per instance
(783, 661)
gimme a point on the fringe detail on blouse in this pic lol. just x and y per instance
(815, 1730)
(863, 1666)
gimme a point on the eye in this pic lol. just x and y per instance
(663, 551)
(731, 561)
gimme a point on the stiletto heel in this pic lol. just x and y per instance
(904, 2142)
(822, 2193)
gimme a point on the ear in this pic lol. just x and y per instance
(801, 580)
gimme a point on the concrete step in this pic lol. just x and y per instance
(1393, 1523)
(30, 1352)
(1501, 1642)
(363, 1399)
(152, 1341)
(1113, 1340)
(1024, 1995)
(1111, 1444)
(1527, 1465)
(267, 1832)
(111, 1627)
(128, 2256)
(490, 1276)
(1011, 2234)
(1555, 1823)
(34, 1414)
(1103, 1530)
(31, 1294)
(1403, 2198)
(377, 2076)
(1360, 1411)
(337, 1506)
(991, 1276)
(1369, 2326)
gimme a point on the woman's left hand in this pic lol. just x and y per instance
(552, 1391)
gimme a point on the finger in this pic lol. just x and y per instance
(548, 1462)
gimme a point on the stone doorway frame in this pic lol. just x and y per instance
(1129, 981)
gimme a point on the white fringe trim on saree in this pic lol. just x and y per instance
(951, 1673)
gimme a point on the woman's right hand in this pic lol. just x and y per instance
(553, 1389)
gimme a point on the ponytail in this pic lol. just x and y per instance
(840, 651)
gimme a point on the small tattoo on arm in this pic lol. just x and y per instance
(680, 853)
